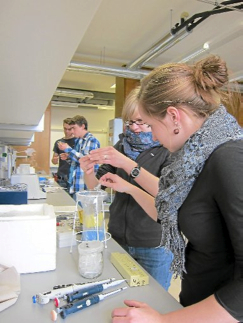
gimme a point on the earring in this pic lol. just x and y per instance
(177, 129)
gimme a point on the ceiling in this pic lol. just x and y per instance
(123, 30)
(84, 44)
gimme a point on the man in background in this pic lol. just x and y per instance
(60, 158)
(85, 142)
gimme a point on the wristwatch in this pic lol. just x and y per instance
(135, 171)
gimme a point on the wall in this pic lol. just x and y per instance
(123, 88)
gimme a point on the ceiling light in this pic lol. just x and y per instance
(206, 46)
(63, 104)
(106, 107)
(73, 93)
(105, 70)
(160, 47)
(196, 53)
(236, 77)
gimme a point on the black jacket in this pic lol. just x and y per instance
(128, 223)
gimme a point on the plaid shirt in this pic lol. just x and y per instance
(82, 147)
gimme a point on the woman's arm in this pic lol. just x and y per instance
(207, 310)
(109, 155)
(145, 200)
(148, 182)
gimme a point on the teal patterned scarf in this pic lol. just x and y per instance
(134, 143)
(178, 178)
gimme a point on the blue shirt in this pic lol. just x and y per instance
(82, 147)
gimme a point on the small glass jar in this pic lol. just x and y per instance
(90, 262)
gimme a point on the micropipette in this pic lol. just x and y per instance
(92, 290)
(82, 304)
(60, 291)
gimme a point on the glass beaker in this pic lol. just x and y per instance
(90, 263)
(92, 203)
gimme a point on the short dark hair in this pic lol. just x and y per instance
(80, 120)
(68, 121)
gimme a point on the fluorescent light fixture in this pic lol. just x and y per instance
(160, 47)
(236, 77)
(73, 93)
(106, 70)
(106, 107)
(195, 54)
(63, 104)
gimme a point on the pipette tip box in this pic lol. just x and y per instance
(65, 237)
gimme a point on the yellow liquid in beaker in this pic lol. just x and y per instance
(80, 215)
(91, 221)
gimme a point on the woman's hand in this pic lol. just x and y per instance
(208, 310)
(115, 182)
(108, 155)
(86, 164)
(136, 312)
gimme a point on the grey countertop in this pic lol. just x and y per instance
(66, 272)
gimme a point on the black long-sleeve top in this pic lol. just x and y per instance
(129, 223)
(211, 218)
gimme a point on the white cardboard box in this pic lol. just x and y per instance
(28, 237)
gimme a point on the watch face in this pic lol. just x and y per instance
(135, 172)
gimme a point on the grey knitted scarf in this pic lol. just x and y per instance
(178, 178)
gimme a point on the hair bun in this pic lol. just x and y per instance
(211, 73)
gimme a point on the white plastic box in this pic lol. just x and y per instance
(28, 237)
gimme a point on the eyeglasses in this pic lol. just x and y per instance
(138, 122)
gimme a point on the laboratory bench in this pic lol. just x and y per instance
(66, 272)
(56, 198)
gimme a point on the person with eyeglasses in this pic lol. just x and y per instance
(128, 223)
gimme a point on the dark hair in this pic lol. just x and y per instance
(176, 84)
(80, 120)
(68, 121)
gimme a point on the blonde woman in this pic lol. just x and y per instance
(200, 193)
(129, 224)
